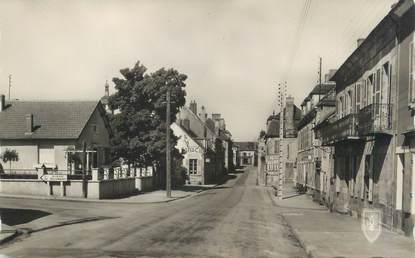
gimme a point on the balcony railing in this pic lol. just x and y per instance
(375, 119)
(342, 129)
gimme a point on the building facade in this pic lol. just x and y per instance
(278, 150)
(202, 145)
(246, 153)
(314, 162)
(372, 132)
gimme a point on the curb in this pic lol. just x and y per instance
(10, 238)
(89, 200)
(309, 249)
(101, 201)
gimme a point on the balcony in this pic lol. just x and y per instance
(342, 129)
(375, 119)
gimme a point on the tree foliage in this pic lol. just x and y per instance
(9, 156)
(139, 124)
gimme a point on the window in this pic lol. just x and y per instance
(95, 128)
(369, 82)
(46, 155)
(357, 97)
(376, 91)
(412, 72)
(364, 93)
(350, 102)
(192, 166)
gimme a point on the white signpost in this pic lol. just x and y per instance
(54, 178)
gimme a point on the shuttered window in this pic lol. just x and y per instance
(412, 73)
(193, 166)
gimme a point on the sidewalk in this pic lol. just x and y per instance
(157, 196)
(6, 233)
(325, 234)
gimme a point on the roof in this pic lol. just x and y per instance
(246, 146)
(397, 24)
(322, 89)
(190, 134)
(51, 119)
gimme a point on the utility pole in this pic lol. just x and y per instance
(10, 84)
(282, 88)
(168, 153)
(84, 186)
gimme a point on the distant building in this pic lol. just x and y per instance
(315, 162)
(203, 144)
(272, 143)
(44, 132)
(246, 153)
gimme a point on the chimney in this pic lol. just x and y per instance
(29, 124)
(289, 118)
(186, 124)
(360, 41)
(216, 116)
(193, 107)
(107, 89)
(330, 74)
(203, 114)
(2, 102)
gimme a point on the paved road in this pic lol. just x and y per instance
(237, 219)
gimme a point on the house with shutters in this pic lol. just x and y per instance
(52, 133)
(372, 130)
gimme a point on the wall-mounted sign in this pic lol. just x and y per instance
(192, 149)
(54, 178)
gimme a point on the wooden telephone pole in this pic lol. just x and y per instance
(168, 153)
(282, 92)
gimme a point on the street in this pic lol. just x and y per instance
(236, 219)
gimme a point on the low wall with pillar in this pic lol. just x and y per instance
(104, 189)
(144, 183)
(72, 188)
(111, 188)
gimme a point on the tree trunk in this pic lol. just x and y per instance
(10, 166)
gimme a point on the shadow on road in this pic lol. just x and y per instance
(13, 217)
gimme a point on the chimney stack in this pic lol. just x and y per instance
(186, 124)
(29, 124)
(193, 107)
(289, 118)
(216, 116)
(360, 41)
(2, 102)
(203, 114)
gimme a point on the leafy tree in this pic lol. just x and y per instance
(9, 156)
(140, 125)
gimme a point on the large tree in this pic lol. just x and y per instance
(139, 124)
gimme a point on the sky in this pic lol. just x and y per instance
(235, 52)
